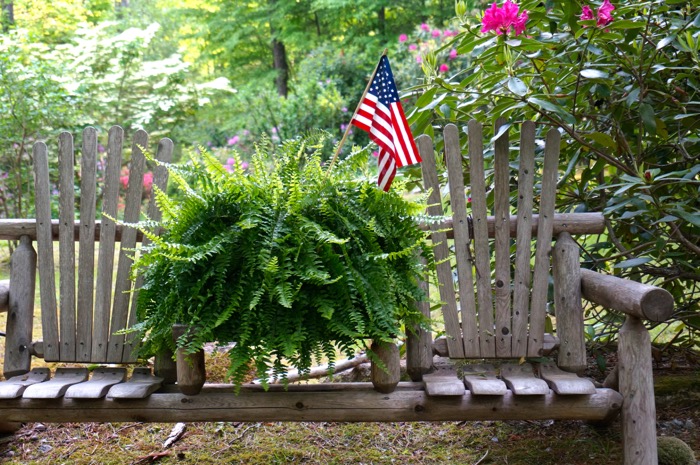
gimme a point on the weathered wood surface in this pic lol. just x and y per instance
(49, 310)
(441, 249)
(141, 385)
(443, 383)
(100, 382)
(419, 342)
(4, 295)
(637, 387)
(458, 204)
(573, 223)
(543, 246)
(502, 243)
(521, 380)
(15, 386)
(630, 297)
(482, 259)
(58, 385)
(565, 383)
(66, 216)
(482, 380)
(107, 237)
(20, 318)
(386, 378)
(566, 272)
(86, 260)
(523, 273)
(363, 404)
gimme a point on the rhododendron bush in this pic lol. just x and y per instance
(620, 80)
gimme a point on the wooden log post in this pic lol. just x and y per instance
(419, 342)
(164, 366)
(637, 389)
(191, 372)
(4, 295)
(386, 378)
(21, 309)
(567, 305)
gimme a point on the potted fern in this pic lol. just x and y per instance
(286, 259)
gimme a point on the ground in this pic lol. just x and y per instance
(677, 382)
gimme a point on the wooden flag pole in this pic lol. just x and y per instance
(347, 129)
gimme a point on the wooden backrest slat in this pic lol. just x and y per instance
(460, 222)
(441, 249)
(523, 272)
(540, 277)
(160, 180)
(132, 211)
(482, 255)
(45, 262)
(105, 258)
(502, 241)
(66, 245)
(86, 258)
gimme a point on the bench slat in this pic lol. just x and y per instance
(141, 385)
(540, 277)
(482, 380)
(132, 212)
(86, 258)
(56, 387)
(441, 249)
(487, 341)
(66, 244)
(522, 381)
(160, 180)
(522, 278)
(467, 302)
(98, 386)
(15, 386)
(502, 242)
(105, 258)
(47, 281)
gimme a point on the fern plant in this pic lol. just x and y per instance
(289, 261)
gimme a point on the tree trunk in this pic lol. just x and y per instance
(8, 15)
(381, 20)
(279, 63)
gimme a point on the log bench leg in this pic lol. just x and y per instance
(191, 373)
(637, 389)
(386, 379)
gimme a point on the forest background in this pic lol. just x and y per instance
(225, 75)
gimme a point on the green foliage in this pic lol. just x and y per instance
(673, 451)
(285, 260)
(625, 98)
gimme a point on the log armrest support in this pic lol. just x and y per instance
(4, 295)
(630, 297)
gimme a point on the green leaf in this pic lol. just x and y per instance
(693, 218)
(601, 138)
(633, 262)
(665, 41)
(591, 73)
(646, 112)
(517, 86)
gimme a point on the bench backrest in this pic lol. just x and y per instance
(79, 323)
(497, 313)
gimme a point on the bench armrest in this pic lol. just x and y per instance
(4, 295)
(626, 296)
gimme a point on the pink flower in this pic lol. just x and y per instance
(447, 33)
(403, 38)
(413, 47)
(501, 19)
(148, 181)
(424, 27)
(231, 161)
(234, 140)
(604, 14)
(453, 54)
(436, 33)
(586, 13)
(444, 68)
(124, 181)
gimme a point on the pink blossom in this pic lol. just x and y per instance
(234, 140)
(231, 161)
(124, 181)
(424, 27)
(453, 54)
(403, 38)
(444, 68)
(501, 19)
(436, 33)
(419, 59)
(586, 13)
(447, 33)
(375, 154)
(148, 181)
(413, 47)
(605, 14)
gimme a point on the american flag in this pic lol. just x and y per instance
(381, 115)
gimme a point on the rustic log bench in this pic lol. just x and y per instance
(496, 317)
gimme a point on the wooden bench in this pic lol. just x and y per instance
(496, 317)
